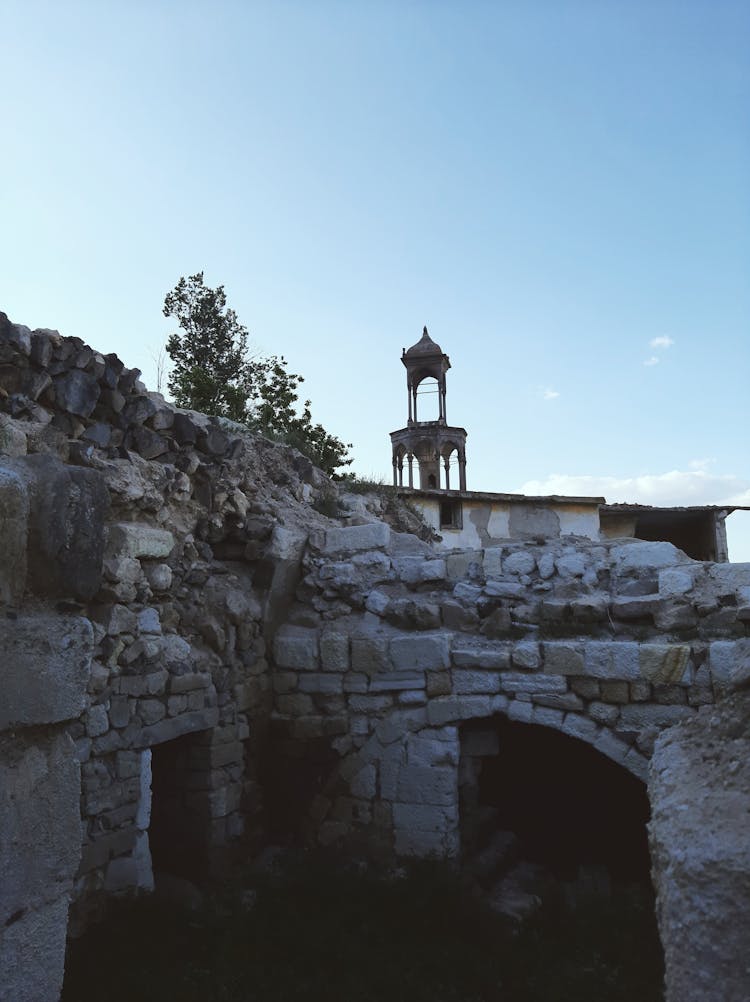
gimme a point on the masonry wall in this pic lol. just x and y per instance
(166, 577)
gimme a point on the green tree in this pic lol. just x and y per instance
(213, 373)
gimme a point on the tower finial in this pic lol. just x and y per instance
(424, 332)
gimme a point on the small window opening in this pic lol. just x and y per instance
(451, 516)
(431, 481)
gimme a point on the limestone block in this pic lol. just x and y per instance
(14, 527)
(315, 682)
(505, 589)
(97, 720)
(415, 570)
(546, 566)
(435, 785)
(464, 563)
(296, 647)
(425, 818)
(547, 717)
(663, 664)
(675, 581)
(397, 681)
(370, 653)
(334, 651)
(519, 562)
(136, 539)
(563, 658)
(377, 602)
(522, 712)
(348, 539)
(603, 713)
(577, 726)
(728, 660)
(487, 656)
(45, 661)
(32, 954)
(467, 682)
(639, 715)
(428, 751)
(492, 561)
(611, 746)
(148, 621)
(572, 565)
(537, 683)
(647, 556)
(526, 655)
(67, 507)
(467, 593)
(159, 576)
(175, 727)
(612, 660)
(399, 723)
(700, 853)
(425, 651)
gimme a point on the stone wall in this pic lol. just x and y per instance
(700, 848)
(176, 610)
(394, 645)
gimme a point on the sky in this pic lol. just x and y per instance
(559, 190)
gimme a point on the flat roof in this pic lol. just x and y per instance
(646, 509)
(493, 496)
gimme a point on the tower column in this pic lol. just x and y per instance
(447, 464)
(462, 470)
(410, 459)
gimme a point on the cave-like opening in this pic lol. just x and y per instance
(567, 805)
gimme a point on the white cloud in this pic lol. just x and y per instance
(652, 361)
(676, 487)
(661, 342)
(701, 464)
(550, 394)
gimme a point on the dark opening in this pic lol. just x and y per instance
(431, 482)
(450, 515)
(694, 534)
(568, 805)
(179, 808)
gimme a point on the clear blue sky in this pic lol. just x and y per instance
(549, 186)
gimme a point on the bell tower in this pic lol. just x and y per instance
(431, 443)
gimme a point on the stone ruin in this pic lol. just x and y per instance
(194, 656)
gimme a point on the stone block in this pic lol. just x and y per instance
(577, 726)
(32, 953)
(439, 683)
(603, 713)
(320, 683)
(349, 539)
(521, 682)
(423, 652)
(563, 658)
(465, 563)
(663, 664)
(727, 661)
(370, 653)
(296, 647)
(475, 682)
(612, 660)
(424, 817)
(546, 717)
(675, 581)
(175, 727)
(364, 783)
(640, 715)
(522, 712)
(467, 593)
(487, 656)
(14, 525)
(519, 562)
(377, 602)
(526, 655)
(572, 565)
(640, 555)
(397, 681)
(399, 723)
(67, 508)
(45, 661)
(136, 539)
(434, 785)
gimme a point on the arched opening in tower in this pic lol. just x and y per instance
(551, 801)
(428, 400)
